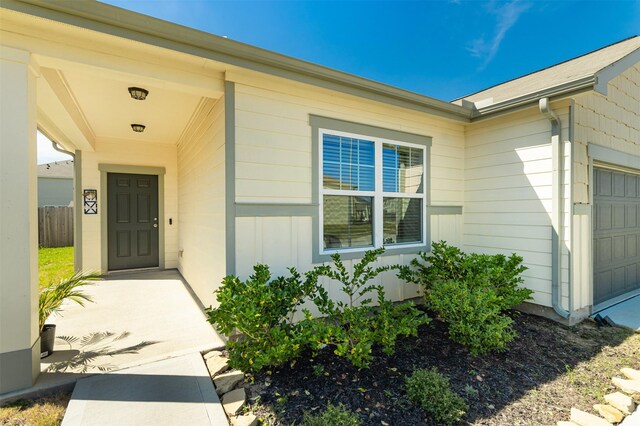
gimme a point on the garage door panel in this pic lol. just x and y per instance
(619, 248)
(616, 234)
(631, 276)
(631, 216)
(605, 219)
(603, 180)
(618, 185)
(618, 216)
(632, 246)
(631, 186)
(603, 289)
(618, 284)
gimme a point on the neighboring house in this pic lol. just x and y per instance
(250, 156)
(55, 184)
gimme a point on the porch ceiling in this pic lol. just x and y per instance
(100, 106)
(82, 92)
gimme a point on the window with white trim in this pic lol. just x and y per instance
(372, 192)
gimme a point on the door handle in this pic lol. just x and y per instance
(155, 225)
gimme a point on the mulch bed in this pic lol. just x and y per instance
(535, 382)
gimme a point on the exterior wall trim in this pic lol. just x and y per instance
(317, 122)
(275, 210)
(444, 210)
(605, 75)
(601, 154)
(230, 174)
(308, 210)
(77, 211)
(102, 200)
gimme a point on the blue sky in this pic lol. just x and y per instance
(444, 49)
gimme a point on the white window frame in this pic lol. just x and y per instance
(377, 194)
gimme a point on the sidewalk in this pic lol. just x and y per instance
(176, 391)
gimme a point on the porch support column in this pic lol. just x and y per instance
(19, 334)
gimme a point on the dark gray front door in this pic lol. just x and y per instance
(132, 218)
(616, 234)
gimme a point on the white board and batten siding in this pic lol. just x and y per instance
(613, 122)
(508, 194)
(201, 205)
(274, 166)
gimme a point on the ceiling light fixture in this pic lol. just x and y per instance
(138, 93)
(139, 128)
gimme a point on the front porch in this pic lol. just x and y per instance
(73, 86)
(138, 318)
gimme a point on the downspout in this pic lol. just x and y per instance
(77, 218)
(557, 203)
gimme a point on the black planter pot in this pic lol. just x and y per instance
(47, 339)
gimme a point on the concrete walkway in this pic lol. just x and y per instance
(135, 354)
(137, 318)
(176, 391)
(624, 314)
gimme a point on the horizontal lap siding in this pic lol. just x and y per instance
(273, 137)
(508, 194)
(274, 163)
(201, 173)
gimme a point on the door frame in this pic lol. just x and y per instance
(102, 207)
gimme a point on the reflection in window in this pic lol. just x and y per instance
(348, 163)
(402, 169)
(402, 220)
(347, 221)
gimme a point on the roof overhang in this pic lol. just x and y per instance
(531, 99)
(119, 22)
(608, 73)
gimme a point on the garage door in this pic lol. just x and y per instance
(616, 234)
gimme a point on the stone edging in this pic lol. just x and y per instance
(621, 407)
(228, 384)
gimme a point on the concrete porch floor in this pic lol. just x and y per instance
(137, 318)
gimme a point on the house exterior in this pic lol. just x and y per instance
(248, 156)
(55, 184)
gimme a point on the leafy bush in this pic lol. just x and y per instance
(473, 314)
(332, 416)
(262, 310)
(470, 292)
(353, 327)
(447, 263)
(431, 391)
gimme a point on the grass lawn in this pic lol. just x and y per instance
(46, 411)
(54, 264)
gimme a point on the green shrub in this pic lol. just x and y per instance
(473, 314)
(449, 263)
(431, 391)
(353, 327)
(332, 416)
(262, 310)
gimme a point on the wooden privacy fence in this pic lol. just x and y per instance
(55, 226)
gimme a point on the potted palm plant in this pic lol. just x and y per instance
(50, 302)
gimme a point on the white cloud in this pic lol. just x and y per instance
(507, 15)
